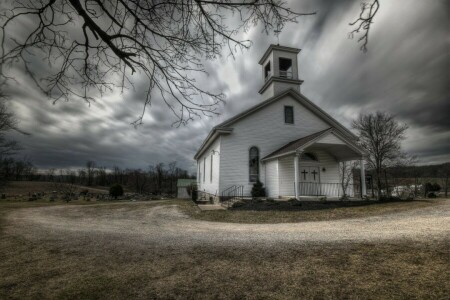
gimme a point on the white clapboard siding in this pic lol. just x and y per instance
(330, 139)
(329, 178)
(286, 176)
(266, 130)
(272, 182)
(208, 185)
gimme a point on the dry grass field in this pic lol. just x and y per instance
(25, 188)
(74, 262)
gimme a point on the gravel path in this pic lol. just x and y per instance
(166, 225)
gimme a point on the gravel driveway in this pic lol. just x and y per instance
(166, 225)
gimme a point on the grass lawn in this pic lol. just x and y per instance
(285, 212)
(50, 265)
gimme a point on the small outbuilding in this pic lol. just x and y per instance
(182, 188)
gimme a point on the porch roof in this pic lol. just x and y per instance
(306, 141)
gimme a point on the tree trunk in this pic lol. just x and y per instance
(387, 185)
(379, 184)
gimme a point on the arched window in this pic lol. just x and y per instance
(308, 157)
(253, 164)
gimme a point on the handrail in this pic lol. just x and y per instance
(231, 193)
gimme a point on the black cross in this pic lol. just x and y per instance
(314, 173)
(304, 174)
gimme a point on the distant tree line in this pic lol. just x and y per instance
(156, 179)
(16, 169)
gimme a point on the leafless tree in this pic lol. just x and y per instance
(346, 169)
(172, 169)
(138, 179)
(90, 170)
(8, 123)
(67, 189)
(159, 172)
(444, 174)
(364, 21)
(381, 135)
(96, 45)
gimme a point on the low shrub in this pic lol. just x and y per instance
(238, 204)
(431, 195)
(192, 191)
(294, 202)
(116, 191)
(258, 189)
(432, 188)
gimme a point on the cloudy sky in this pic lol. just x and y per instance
(405, 72)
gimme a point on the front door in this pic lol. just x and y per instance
(309, 181)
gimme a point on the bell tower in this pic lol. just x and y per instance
(279, 70)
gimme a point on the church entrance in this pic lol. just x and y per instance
(309, 184)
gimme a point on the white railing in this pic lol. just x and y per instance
(286, 74)
(327, 189)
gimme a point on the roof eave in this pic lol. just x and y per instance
(279, 79)
(213, 134)
(277, 47)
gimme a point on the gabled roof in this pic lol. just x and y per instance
(294, 145)
(306, 141)
(225, 126)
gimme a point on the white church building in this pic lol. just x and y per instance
(286, 141)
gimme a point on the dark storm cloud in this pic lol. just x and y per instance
(405, 73)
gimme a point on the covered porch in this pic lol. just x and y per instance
(309, 167)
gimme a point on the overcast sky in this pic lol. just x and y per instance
(405, 72)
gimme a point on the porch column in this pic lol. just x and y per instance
(363, 178)
(296, 175)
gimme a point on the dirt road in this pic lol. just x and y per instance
(166, 225)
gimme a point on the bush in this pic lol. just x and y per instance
(431, 195)
(432, 187)
(192, 191)
(238, 204)
(258, 190)
(116, 191)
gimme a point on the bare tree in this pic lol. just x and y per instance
(172, 170)
(99, 44)
(364, 21)
(66, 189)
(444, 174)
(159, 172)
(381, 135)
(90, 170)
(346, 169)
(8, 123)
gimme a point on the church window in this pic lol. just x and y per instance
(289, 115)
(253, 164)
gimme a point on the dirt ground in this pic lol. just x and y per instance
(168, 225)
(154, 250)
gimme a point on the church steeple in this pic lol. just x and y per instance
(279, 70)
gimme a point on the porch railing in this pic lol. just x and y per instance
(327, 189)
